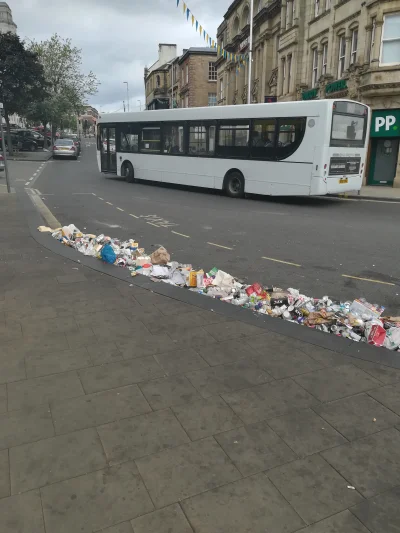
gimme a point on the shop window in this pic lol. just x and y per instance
(290, 134)
(201, 139)
(390, 51)
(233, 139)
(151, 139)
(263, 139)
(173, 139)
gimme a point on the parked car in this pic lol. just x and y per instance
(16, 142)
(31, 140)
(1, 163)
(74, 137)
(65, 148)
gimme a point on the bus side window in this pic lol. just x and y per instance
(263, 139)
(128, 137)
(151, 140)
(290, 134)
(233, 139)
(201, 139)
(173, 139)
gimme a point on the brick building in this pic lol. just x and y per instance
(309, 49)
(189, 80)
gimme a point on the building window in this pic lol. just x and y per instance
(236, 26)
(354, 43)
(342, 55)
(327, 4)
(314, 79)
(324, 58)
(212, 99)
(316, 8)
(221, 88)
(201, 139)
(187, 73)
(212, 72)
(289, 73)
(372, 42)
(187, 100)
(158, 81)
(259, 7)
(293, 10)
(390, 51)
(283, 75)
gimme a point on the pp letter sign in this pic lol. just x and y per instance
(387, 121)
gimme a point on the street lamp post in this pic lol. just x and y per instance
(127, 94)
(250, 51)
(3, 147)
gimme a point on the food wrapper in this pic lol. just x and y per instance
(375, 333)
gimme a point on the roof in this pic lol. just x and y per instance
(198, 51)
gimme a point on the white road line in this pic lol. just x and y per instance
(280, 261)
(220, 246)
(368, 279)
(30, 179)
(109, 203)
(151, 224)
(100, 198)
(94, 194)
(181, 234)
(27, 183)
(134, 216)
(119, 209)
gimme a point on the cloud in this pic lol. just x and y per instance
(118, 38)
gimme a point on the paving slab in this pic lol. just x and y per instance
(228, 378)
(336, 382)
(12, 367)
(252, 504)
(384, 374)
(105, 352)
(255, 448)
(3, 398)
(343, 522)
(146, 344)
(381, 513)
(55, 363)
(206, 417)
(232, 330)
(123, 527)
(305, 432)
(136, 437)
(313, 488)
(191, 337)
(357, 416)
(388, 396)
(168, 520)
(225, 352)
(47, 461)
(371, 464)
(173, 475)
(22, 514)
(168, 391)
(4, 474)
(26, 425)
(97, 409)
(95, 501)
(269, 400)
(36, 391)
(119, 374)
(180, 361)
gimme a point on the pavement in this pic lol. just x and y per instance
(134, 407)
(39, 155)
(390, 194)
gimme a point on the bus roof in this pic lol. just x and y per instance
(278, 109)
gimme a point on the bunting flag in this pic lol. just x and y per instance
(197, 25)
(177, 3)
(187, 13)
(184, 8)
(192, 20)
(201, 30)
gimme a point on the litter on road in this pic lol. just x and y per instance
(359, 320)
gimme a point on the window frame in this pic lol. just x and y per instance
(283, 59)
(279, 121)
(227, 122)
(214, 100)
(254, 157)
(353, 50)
(150, 125)
(178, 124)
(385, 17)
(135, 126)
(316, 8)
(221, 88)
(289, 72)
(186, 74)
(201, 123)
(372, 39)
(342, 56)
(314, 67)
(327, 5)
(324, 58)
(212, 71)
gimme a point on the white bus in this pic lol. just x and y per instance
(284, 149)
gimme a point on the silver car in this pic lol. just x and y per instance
(65, 148)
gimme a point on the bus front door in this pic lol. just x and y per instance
(108, 149)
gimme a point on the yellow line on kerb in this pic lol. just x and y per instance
(280, 261)
(219, 246)
(368, 279)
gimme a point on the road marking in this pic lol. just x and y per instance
(134, 216)
(280, 261)
(30, 179)
(109, 203)
(366, 200)
(119, 209)
(220, 246)
(151, 224)
(27, 183)
(368, 279)
(94, 194)
(181, 234)
(100, 198)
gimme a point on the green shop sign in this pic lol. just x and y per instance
(309, 95)
(385, 123)
(336, 86)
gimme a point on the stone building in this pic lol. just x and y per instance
(189, 80)
(156, 78)
(6, 21)
(309, 49)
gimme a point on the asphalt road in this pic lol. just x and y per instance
(312, 244)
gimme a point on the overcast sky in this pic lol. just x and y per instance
(118, 38)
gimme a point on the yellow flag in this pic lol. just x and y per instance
(213, 44)
(201, 30)
(184, 8)
(207, 37)
(192, 20)
(218, 50)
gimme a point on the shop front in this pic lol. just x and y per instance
(384, 148)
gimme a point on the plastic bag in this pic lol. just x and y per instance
(108, 254)
(160, 257)
(392, 340)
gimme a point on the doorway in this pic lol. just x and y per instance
(108, 150)
(384, 153)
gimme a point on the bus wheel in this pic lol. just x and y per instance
(234, 184)
(128, 172)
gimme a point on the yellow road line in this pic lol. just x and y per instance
(100, 198)
(109, 203)
(181, 234)
(220, 246)
(119, 209)
(151, 224)
(134, 216)
(368, 279)
(280, 261)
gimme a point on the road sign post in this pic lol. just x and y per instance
(3, 147)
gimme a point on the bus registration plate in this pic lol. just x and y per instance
(344, 180)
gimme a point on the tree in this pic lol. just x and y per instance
(21, 78)
(69, 87)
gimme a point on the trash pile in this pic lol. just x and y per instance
(359, 320)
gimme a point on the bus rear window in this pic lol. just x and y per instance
(348, 130)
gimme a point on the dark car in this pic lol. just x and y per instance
(31, 139)
(16, 142)
(1, 163)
